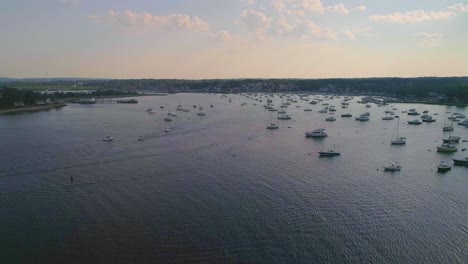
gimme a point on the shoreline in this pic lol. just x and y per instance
(30, 109)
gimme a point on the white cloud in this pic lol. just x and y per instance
(360, 8)
(428, 39)
(338, 9)
(257, 22)
(459, 7)
(415, 16)
(353, 33)
(135, 21)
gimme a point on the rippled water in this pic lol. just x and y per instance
(223, 188)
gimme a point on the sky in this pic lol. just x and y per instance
(207, 39)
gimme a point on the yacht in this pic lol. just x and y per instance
(413, 111)
(272, 125)
(362, 118)
(443, 167)
(393, 167)
(461, 161)
(447, 147)
(451, 139)
(415, 122)
(320, 133)
(284, 116)
(329, 153)
(428, 119)
(108, 138)
(388, 118)
(463, 123)
(447, 128)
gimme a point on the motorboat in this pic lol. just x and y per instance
(461, 161)
(307, 110)
(415, 122)
(284, 117)
(346, 115)
(362, 118)
(388, 118)
(393, 167)
(108, 138)
(331, 119)
(447, 147)
(320, 133)
(443, 167)
(463, 123)
(329, 153)
(428, 119)
(141, 138)
(451, 139)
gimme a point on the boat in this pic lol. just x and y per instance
(141, 138)
(461, 161)
(413, 111)
(108, 138)
(443, 167)
(329, 153)
(319, 133)
(447, 127)
(331, 119)
(428, 119)
(463, 123)
(201, 114)
(393, 167)
(152, 112)
(168, 117)
(396, 139)
(451, 139)
(307, 110)
(414, 122)
(362, 117)
(388, 118)
(272, 125)
(447, 147)
(167, 130)
(346, 115)
(283, 116)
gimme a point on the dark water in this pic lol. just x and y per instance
(221, 188)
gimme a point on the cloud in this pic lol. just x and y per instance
(338, 9)
(135, 21)
(459, 8)
(257, 22)
(411, 17)
(428, 39)
(360, 8)
(352, 34)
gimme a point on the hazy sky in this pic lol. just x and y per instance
(194, 39)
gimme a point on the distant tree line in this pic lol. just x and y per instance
(11, 95)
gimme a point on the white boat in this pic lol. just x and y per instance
(447, 147)
(443, 167)
(393, 167)
(461, 161)
(329, 153)
(167, 130)
(414, 122)
(396, 139)
(272, 125)
(108, 138)
(362, 118)
(447, 127)
(451, 139)
(317, 133)
(463, 123)
(284, 116)
(331, 119)
(428, 119)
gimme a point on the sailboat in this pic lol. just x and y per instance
(396, 140)
(272, 125)
(447, 127)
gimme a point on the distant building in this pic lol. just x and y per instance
(18, 103)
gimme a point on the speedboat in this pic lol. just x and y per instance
(415, 122)
(443, 167)
(329, 153)
(461, 161)
(108, 138)
(447, 147)
(393, 167)
(320, 133)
